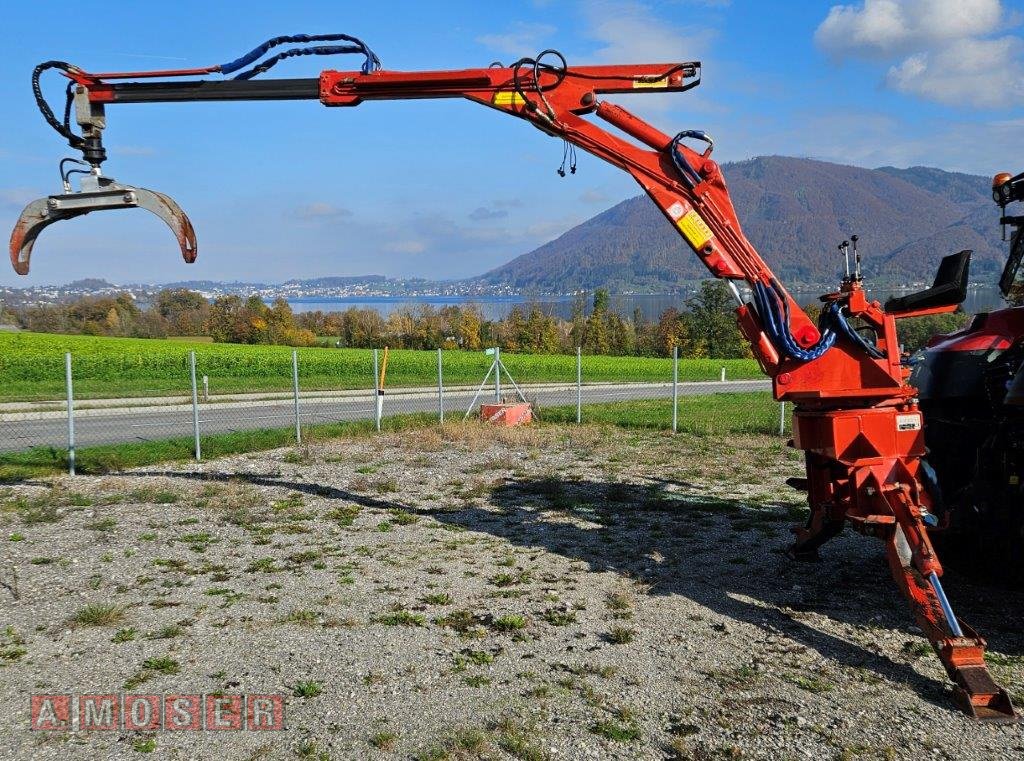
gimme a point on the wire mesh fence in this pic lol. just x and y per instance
(196, 399)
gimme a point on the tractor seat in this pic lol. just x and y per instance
(950, 287)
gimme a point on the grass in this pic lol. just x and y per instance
(713, 414)
(147, 745)
(162, 665)
(97, 460)
(32, 365)
(510, 623)
(125, 635)
(621, 635)
(402, 618)
(707, 414)
(384, 741)
(619, 731)
(99, 614)
(307, 689)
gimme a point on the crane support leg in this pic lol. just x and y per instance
(917, 571)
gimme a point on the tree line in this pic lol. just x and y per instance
(706, 327)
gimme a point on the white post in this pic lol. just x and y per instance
(206, 388)
(440, 389)
(295, 388)
(675, 389)
(782, 419)
(71, 413)
(376, 391)
(195, 403)
(497, 374)
(723, 375)
(579, 385)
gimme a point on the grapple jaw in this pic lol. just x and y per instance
(98, 193)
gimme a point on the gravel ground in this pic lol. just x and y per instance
(460, 593)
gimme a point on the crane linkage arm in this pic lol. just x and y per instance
(854, 414)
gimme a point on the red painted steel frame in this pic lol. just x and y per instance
(855, 416)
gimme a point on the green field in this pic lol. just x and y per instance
(32, 367)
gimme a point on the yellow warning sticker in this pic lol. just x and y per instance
(695, 229)
(507, 98)
(646, 83)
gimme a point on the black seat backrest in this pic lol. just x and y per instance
(950, 287)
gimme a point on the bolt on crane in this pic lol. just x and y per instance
(856, 416)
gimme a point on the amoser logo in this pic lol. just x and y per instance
(174, 712)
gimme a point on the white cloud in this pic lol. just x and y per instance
(482, 214)
(522, 39)
(321, 210)
(894, 26)
(629, 32)
(943, 50)
(986, 73)
(410, 246)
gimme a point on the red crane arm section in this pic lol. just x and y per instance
(555, 103)
(555, 100)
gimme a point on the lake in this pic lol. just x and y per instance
(979, 299)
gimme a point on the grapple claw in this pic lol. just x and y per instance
(97, 194)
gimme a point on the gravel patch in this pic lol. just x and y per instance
(547, 593)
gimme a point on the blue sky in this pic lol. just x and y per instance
(448, 189)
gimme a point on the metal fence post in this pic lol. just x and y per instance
(782, 419)
(376, 391)
(579, 385)
(71, 413)
(723, 375)
(195, 403)
(295, 388)
(497, 374)
(675, 389)
(440, 389)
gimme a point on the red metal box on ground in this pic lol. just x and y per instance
(509, 415)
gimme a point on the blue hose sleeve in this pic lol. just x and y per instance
(318, 50)
(372, 61)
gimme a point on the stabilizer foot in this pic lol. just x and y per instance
(978, 696)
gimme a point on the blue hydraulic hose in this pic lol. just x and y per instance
(357, 46)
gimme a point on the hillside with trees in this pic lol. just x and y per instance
(795, 212)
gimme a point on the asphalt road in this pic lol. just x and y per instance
(152, 423)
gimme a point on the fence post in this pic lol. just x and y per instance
(195, 403)
(440, 389)
(579, 385)
(675, 389)
(782, 419)
(376, 391)
(71, 413)
(723, 375)
(295, 388)
(497, 374)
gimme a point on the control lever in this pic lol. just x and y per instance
(97, 193)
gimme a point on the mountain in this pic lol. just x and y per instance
(795, 211)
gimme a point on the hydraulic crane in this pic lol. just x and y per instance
(856, 416)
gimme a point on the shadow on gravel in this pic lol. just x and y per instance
(678, 541)
(717, 551)
(314, 490)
